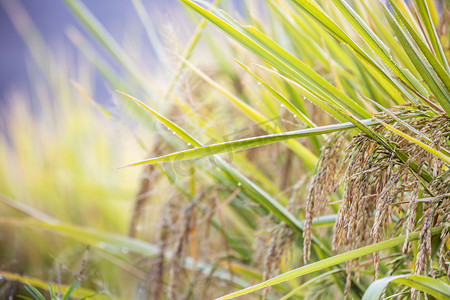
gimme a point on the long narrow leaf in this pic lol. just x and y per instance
(331, 261)
(425, 71)
(79, 292)
(431, 286)
(442, 73)
(433, 151)
(251, 142)
(424, 12)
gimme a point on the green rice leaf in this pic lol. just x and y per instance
(308, 283)
(171, 125)
(374, 42)
(108, 42)
(431, 286)
(329, 262)
(51, 291)
(320, 16)
(34, 292)
(272, 53)
(292, 108)
(249, 143)
(425, 71)
(35, 282)
(431, 58)
(70, 290)
(433, 151)
(424, 12)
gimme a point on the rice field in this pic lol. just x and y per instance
(277, 149)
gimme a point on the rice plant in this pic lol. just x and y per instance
(288, 149)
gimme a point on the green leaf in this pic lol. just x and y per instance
(425, 71)
(320, 16)
(53, 295)
(437, 66)
(431, 286)
(171, 125)
(34, 292)
(331, 261)
(433, 151)
(292, 108)
(70, 290)
(374, 42)
(424, 12)
(308, 283)
(266, 49)
(35, 282)
(249, 143)
(108, 42)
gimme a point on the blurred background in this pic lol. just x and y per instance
(51, 19)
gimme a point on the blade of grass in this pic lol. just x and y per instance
(70, 290)
(107, 41)
(34, 292)
(258, 43)
(52, 291)
(427, 74)
(149, 28)
(169, 124)
(79, 292)
(286, 103)
(424, 146)
(248, 143)
(308, 283)
(424, 12)
(279, 97)
(103, 67)
(89, 98)
(431, 286)
(437, 67)
(319, 15)
(331, 261)
(374, 42)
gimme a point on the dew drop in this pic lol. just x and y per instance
(189, 144)
(139, 227)
(259, 83)
(239, 184)
(125, 250)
